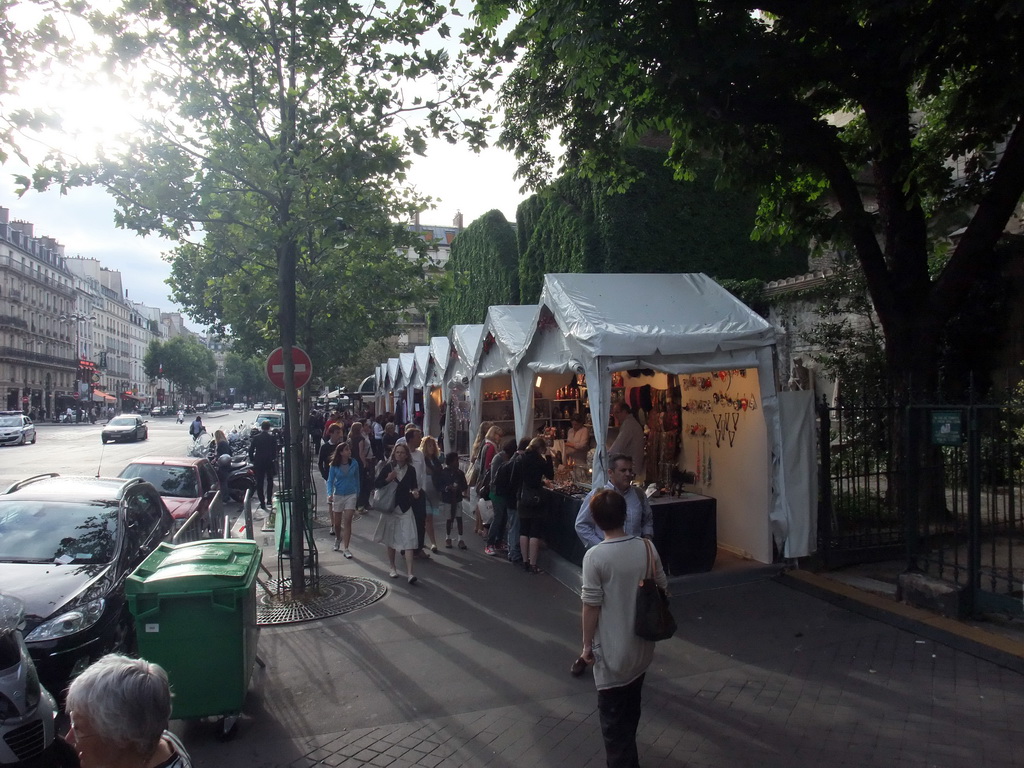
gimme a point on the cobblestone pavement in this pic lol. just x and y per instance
(470, 668)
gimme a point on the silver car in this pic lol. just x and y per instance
(16, 428)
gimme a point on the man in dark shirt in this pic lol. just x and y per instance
(262, 454)
(334, 436)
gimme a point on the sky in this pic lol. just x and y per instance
(83, 220)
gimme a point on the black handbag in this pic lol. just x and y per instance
(654, 620)
(529, 499)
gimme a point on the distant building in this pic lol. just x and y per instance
(413, 330)
(39, 322)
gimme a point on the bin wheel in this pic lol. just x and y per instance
(228, 728)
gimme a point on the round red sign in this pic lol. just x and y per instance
(275, 367)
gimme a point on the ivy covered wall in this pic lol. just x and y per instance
(482, 269)
(659, 225)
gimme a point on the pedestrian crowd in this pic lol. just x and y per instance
(413, 486)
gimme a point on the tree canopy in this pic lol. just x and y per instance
(876, 128)
(183, 360)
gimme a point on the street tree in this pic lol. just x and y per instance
(246, 376)
(31, 40)
(183, 361)
(281, 141)
(875, 129)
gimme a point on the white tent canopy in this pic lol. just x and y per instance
(458, 376)
(506, 331)
(421, 358)
(673, 323)
(390, 382)
(433, 378)
(440, 351)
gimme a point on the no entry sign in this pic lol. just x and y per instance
(275, 367)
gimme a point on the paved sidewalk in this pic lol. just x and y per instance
(470, 668)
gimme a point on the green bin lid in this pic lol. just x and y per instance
(198, 566)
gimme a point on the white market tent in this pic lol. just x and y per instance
(403, 387)
(676, 324)
(421, 358)
(506, 330)
(390, 381)
(440, 350)
(465, 340)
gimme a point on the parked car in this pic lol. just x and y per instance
(185, 483)
(159, 410)
(16, 428)
(279, 407)
(276, 421)
(125, 427)
(67, 545)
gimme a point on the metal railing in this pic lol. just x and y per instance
(941, 484)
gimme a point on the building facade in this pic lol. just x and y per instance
(39, 323)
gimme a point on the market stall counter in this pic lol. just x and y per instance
(685, 530)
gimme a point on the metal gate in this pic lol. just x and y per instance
(953, 506)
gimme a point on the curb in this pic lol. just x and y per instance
(997, 649)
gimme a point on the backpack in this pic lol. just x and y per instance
(502, 482)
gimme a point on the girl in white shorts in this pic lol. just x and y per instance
(342, 492)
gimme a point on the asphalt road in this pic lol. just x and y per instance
(75, 449)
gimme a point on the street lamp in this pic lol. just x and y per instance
(77, 319)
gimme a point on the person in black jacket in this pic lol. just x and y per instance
(536, 473)
(262, 455)
(327, 449)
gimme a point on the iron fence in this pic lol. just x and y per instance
(936, 482)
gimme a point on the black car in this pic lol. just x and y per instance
(126, 427)
(67, 544)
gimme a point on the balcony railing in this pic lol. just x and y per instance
(10, 263)
(11, 321)
(13, 353)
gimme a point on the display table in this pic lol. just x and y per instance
(685, 530)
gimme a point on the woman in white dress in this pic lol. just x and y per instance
(397, 530)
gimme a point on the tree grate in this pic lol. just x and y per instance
(336, 595)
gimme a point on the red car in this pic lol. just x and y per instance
(186, 484)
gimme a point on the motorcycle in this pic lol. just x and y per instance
(237, 476)
(28, 713)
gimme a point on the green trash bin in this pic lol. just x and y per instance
(195, 615)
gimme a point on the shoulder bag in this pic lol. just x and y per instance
(384, 498)
(654, 621)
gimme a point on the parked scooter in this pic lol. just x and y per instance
(28, 713)
(238, 476)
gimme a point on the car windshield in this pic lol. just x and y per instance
(274, 419)
(10, 421)
(34, 531)
(122, 421)
(169, 481)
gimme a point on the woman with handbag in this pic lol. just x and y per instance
(536, 472)
(396, 488)
(612, 570)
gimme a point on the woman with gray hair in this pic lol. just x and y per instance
(119, 708)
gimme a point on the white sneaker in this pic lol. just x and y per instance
(347, 554)
(337, 545)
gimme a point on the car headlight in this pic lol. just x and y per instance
(69, 622)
